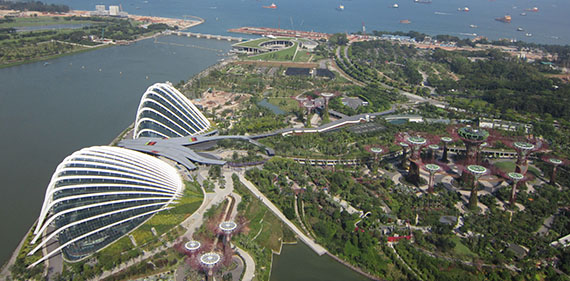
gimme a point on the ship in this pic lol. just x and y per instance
(405, 21)
(528, 34)
(423, 1)
(533, 9)
(272, 6)
(520, 29)
(472, 26)
(505, 19)
(395, 6)
(340, 8)
(523, 14)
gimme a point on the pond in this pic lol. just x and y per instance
(298, 262)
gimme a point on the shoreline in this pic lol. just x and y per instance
(182, 25)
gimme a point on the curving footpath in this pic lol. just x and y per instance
(320, 250)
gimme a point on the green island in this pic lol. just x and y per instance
(42, 37)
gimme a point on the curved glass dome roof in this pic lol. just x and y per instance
(98, 194)
(164, 112)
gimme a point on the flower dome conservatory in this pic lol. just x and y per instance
(164, 112)
(97, 195)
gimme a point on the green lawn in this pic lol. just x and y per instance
(302, 56)
(460, 249)
(41, 21)
(166, 220)
(509, 166)
(282, 55)
(286, 104)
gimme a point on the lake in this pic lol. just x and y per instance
(298, 262)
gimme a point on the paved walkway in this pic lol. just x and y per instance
(312, 244)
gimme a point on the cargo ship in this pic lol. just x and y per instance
(533, 9)
(272, 6)
(505, 19)
(405, 21)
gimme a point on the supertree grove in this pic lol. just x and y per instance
(415, 143)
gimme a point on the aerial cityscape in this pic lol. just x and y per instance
(259, 140)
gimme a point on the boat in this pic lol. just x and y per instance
(466, 9)
(523, 14)
(528, 34)
(505, 19)
(405, 21)
(272, 6)
(340, 8)
(520, 29)
(472, 26)
(423, 1)
(395, 6)
(533, 9)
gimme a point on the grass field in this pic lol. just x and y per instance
(166, 220)
(41, 21)
(509, 166)
(460, 249)
(303, 56)
(282, 55)
(286, 104)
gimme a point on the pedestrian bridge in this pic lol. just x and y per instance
(204, 35)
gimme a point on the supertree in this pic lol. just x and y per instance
(376, 150)
(227, 228)
(415, 143)
(445, 141)
(192, 247)
(477, 171)
(433, 148)
(209, 262)
(472, 138)
(432, 169)
(555, 162)
(327, 97)
(524, 149)
(515, 177)
(405, 147)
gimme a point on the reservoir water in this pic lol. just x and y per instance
(298, 262)
(548, 25)
(48, 112)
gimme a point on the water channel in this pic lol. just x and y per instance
(298, 262)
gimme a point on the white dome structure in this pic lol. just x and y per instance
(164, 112)
(97, 195)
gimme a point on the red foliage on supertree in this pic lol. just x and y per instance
(404, 137)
